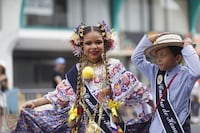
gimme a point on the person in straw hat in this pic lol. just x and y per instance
(89, 98)
(159, 58)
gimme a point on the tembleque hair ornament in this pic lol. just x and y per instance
(107, 34)
(76, 39)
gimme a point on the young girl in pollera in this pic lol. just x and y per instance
(89, 98)
(169, 79)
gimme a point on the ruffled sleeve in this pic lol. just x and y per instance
(63, 96)
(125, 85)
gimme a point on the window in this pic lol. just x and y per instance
(45, 13)
(34, 69)
(65, 13)
(157, 15)
(134, 16)
(88, 11)
(170, 15)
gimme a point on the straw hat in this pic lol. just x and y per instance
(162, 42)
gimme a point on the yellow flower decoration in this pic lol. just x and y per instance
(88, 73)
(114, 106)
(73, 114)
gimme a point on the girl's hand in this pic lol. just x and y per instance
(35, 103)
(29, 104)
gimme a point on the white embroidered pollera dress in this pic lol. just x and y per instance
(125, 87)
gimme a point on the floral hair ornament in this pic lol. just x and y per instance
(76, 39)
(108, 34)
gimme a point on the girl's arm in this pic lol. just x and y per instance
(61, 97)
(35, 103)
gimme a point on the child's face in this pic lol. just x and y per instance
(165, 59)
(93, 46)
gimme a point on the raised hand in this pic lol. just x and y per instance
(187, 41)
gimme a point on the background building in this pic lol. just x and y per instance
(34, 32)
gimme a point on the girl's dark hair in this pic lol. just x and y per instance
(176, 50)
(89, 28)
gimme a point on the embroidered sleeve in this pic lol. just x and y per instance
(62, 96)
(126, 87)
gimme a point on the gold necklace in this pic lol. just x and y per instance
(91, 63)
